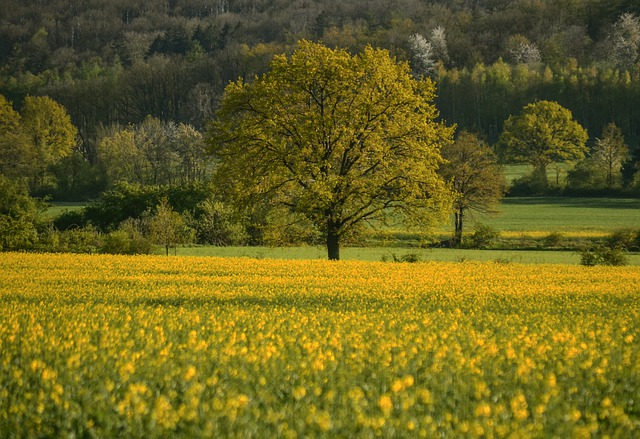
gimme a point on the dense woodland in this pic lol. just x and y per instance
(116, 62)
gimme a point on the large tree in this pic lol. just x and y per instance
(543, 133)
(339, 138)
(17, 154)
(478, 180)
(51, 132)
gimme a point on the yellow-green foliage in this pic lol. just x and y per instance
(106, 346)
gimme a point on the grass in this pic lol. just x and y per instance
(564, 214)
(386, 253)
(58, 208)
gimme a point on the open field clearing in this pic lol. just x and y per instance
(387, 253)
(148, 346)
(565, 215)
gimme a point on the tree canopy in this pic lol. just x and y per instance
(339, 138)
(479, 182)
(16, 154)
(543, 133)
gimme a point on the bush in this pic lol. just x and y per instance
(553, 239)
(603, 255)
(85, 240)
(484, 236)
(70, 219)
(627, 239)
(409, 257)
(215, 225)
(116, 243)
(132, 201)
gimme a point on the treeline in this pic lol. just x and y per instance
(116, 62)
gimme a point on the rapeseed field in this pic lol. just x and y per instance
(148, 346)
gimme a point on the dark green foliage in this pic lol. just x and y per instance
(626, 239)
(483, 236)
(409, 257)
(602, 255)
(216, 225)
(79, 240)
(553, 239)
(69, 219)
(19, 216)
(132, 201)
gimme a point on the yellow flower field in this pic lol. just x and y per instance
(147, 346)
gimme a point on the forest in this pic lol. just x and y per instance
(128, 88)
(112, 62)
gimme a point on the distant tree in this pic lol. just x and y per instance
(17, 154)
(479, 182)
(522, 51)
(154, 152)
(193, 159)
(422, 55)
(631, 170)
(120, 158)
(51, 132)
(610, 153)
(625, 41)
(438, 42)
(543, 133)
(167, 227)
(340, 139)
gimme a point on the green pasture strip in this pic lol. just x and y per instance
(58, 208)
(387, 253)
(564, 214)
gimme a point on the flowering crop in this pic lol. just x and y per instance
(106, 346)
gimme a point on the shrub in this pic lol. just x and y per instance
(553, 239)
(484, 236)
(409, 257)
(603, 255)
(70, 219)
(626, 239)
(116, 242)
(84, 240)
(215, 225)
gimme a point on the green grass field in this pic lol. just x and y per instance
(386, 253)
(59, 208)
(564, 214)
(520, 220)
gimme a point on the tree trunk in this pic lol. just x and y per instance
(457, 238)
(540, 176)
(333, 241)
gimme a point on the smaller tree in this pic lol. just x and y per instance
(423, 56)
(543, 133)
(625, 41)
(17, 154)
(51, 132)
(167, 227)
(479, 182)
(610, 153)
(19, 216)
